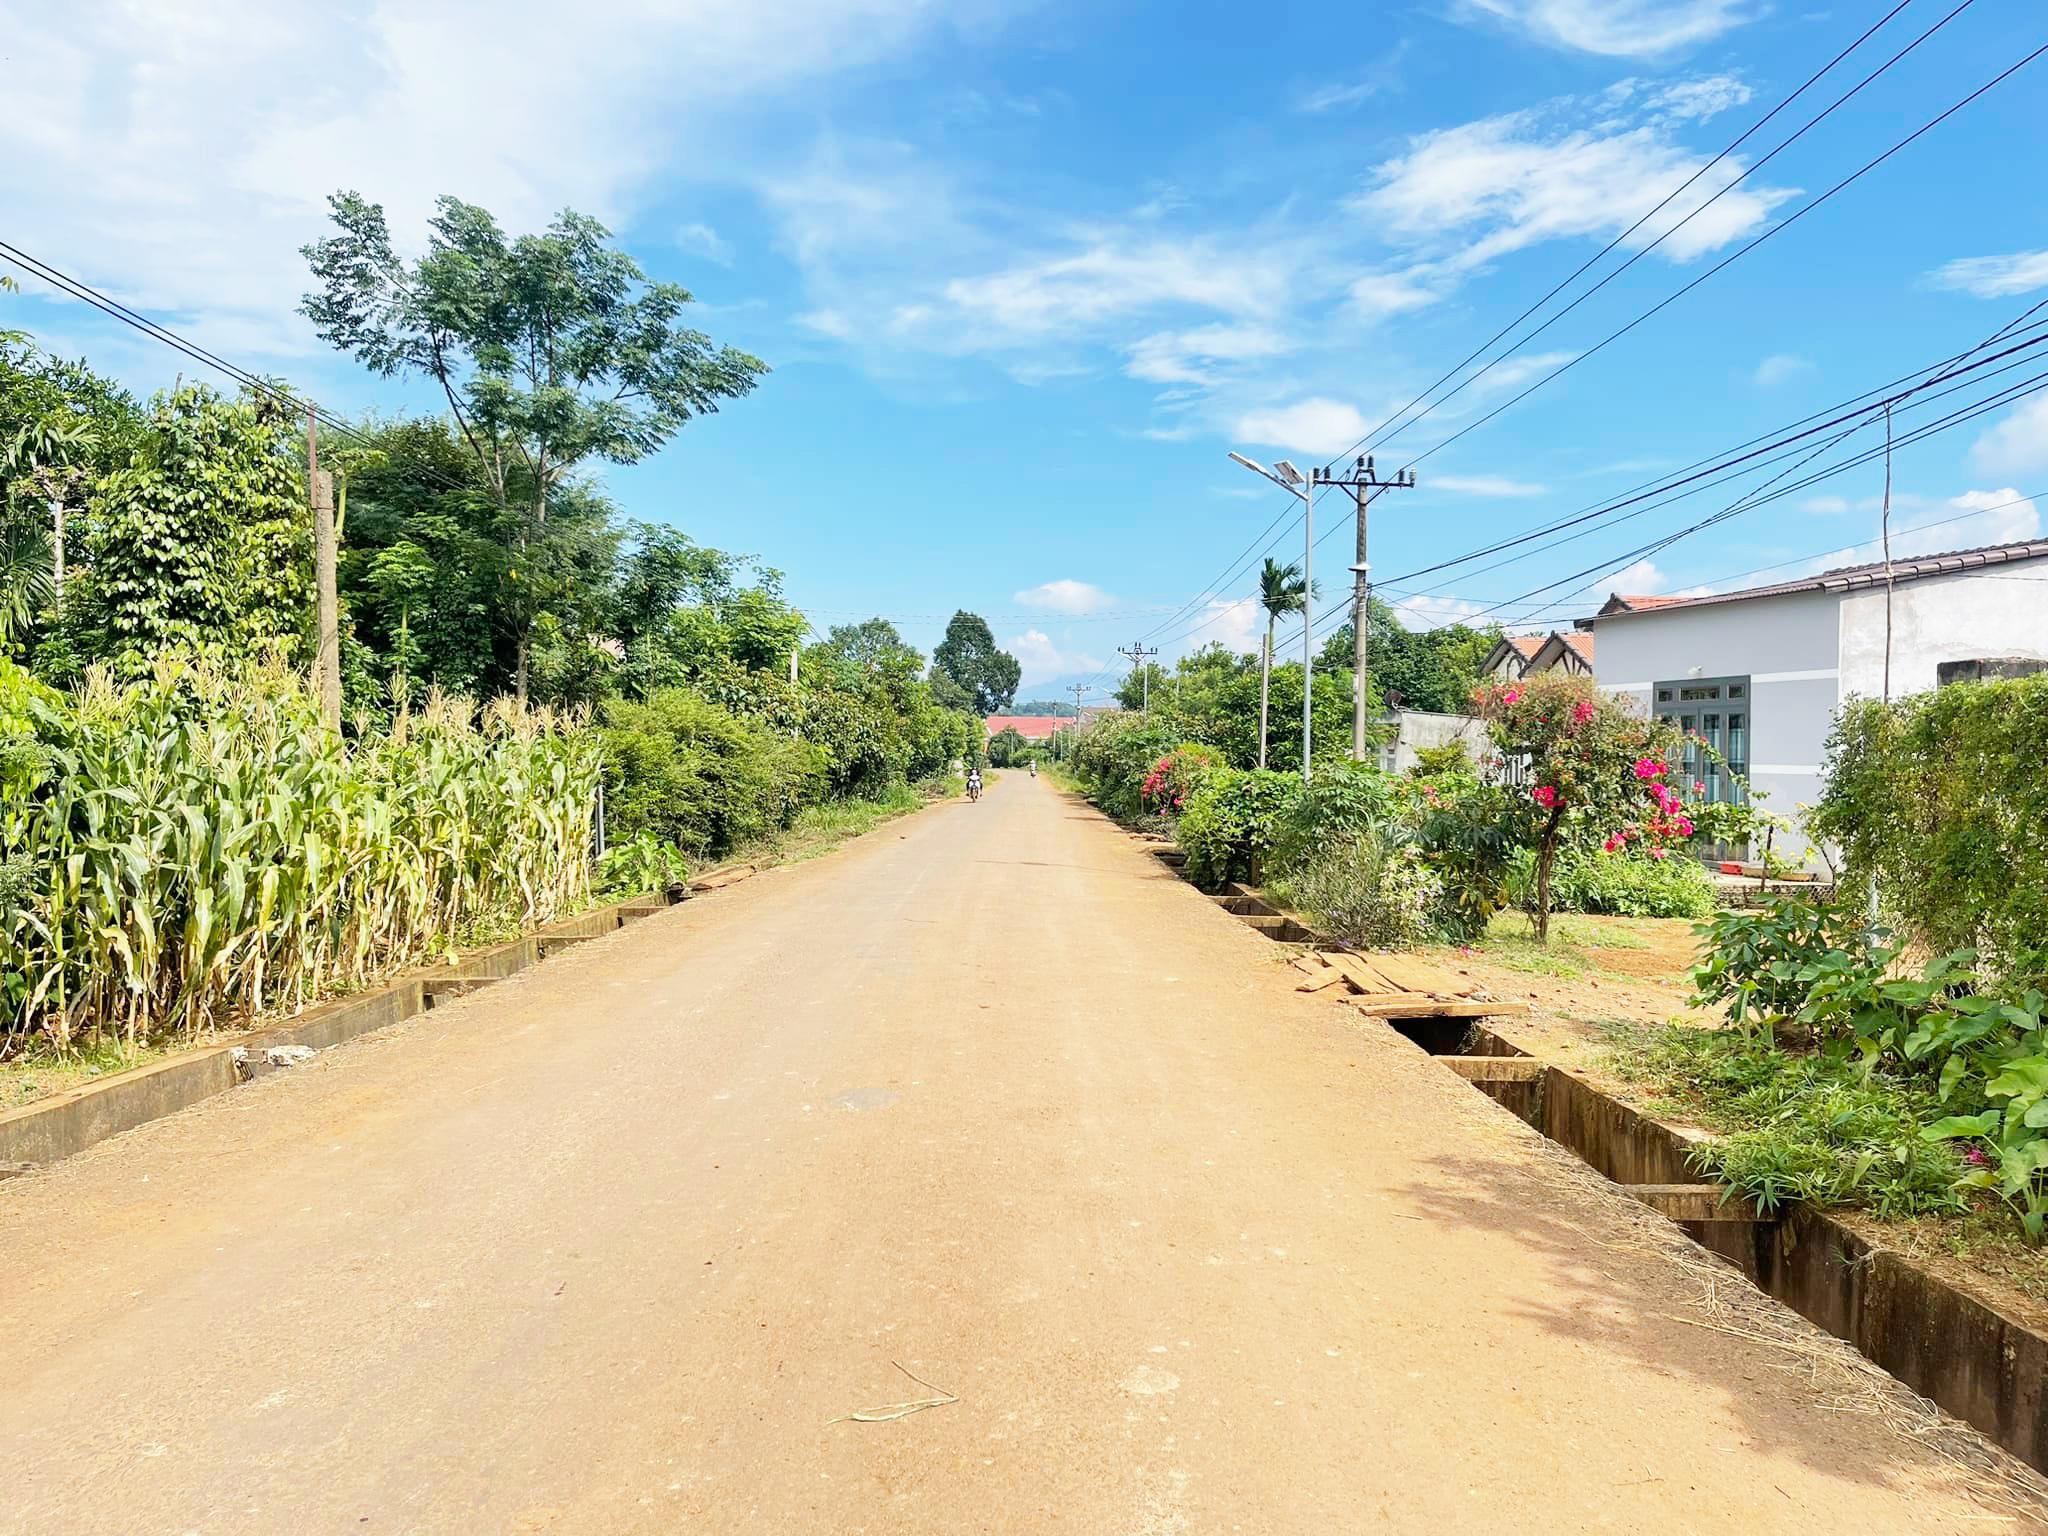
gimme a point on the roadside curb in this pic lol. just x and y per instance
(67, 1123)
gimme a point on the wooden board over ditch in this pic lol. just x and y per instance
(1398, 986)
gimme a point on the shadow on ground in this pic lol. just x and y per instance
(1632, 1285)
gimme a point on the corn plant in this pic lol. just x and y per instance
(197, 848)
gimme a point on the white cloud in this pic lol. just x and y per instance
(1064, 596)
(1484, 485)
(1969, 521)
(1637, 580)
(1191, 356)
(703, 240)
(1043, 660)
(1383, 74)
(1378, 295)
(1504, 183)
(1825, 506)
(1318, 426)
(1996, 277)
(1701, 99)
(1113, 279)
(2018, 445)
(1617, 28)
(827, 322)
(1234, 622)
(179, 155)
(1424, 612)
(1780, 368)
(1514, 372)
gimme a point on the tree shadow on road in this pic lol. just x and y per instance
(1626, 1282)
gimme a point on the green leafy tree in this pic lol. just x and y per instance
(552, 351)
(968, 658)
(201, 544)
(1007, 747)
(1282, 591)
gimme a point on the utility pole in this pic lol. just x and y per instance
(1365, 483)
(1079, 688)
(1291, 480)
(57, 548)
(1138, 653)
(327, 658)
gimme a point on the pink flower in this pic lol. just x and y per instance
(1649, 768)
(1614, 843)
(1510, 695)
(1684, 826)
(1976, 1155)
(1582, 712)
(1544, 796)
(1659, 853)
(1698, 788)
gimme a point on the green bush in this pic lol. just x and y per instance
(1369, 889)
(1462, 827)
(1346, 801)
(1941, 799)
(1226, 827)
(698, 776)
(1622, 884)
(1113, 757)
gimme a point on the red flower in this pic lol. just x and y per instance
(1544, 796)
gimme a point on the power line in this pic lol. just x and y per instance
(78, 289)
(1373, 437)
(1748, 504)
(1769, 234)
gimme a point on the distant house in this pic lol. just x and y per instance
(1030, 727)
(1518, 656)
(1758, 675)
(1412, 730)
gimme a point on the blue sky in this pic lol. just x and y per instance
(1026, 272)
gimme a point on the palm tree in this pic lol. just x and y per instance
(26, 584)
(1281, 592)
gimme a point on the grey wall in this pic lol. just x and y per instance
(1787, 646)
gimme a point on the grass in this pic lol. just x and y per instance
(41, 1070)
(1790, 1126)
(821, 828)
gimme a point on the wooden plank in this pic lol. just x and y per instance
(1424, 1008)
(1321, 983)
(1694, 1202)
(1416, 976)
(1495, 1069)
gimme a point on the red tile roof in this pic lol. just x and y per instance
(1528, 645)
(1583, 644)
(1847, 578)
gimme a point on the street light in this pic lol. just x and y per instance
(1289, 479)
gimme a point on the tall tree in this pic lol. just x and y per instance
(552, 350)
(968, 658)
(201, 543)
(1281, 592)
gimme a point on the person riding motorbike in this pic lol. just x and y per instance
(1034, 767)
(974, 783)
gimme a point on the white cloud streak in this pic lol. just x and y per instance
(1064, 596)
(1995, 277)
(1617, 28)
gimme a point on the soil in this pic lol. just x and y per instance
(618, 1244)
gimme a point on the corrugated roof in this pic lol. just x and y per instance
(1848, 578)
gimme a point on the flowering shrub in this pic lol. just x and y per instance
(1595, 772)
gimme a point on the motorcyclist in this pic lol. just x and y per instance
(974, 783)
(1034, 767)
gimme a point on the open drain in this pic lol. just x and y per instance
(1958, 1349)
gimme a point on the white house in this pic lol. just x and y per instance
(1759, 674)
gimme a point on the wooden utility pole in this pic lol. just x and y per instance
(57, 548)
(327, 647)
(1364, 482)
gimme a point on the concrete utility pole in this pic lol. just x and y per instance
(1079, 688)
(1364, 483)
(1291, 480)
(57, 548)
(327, 652)
(1138, 653)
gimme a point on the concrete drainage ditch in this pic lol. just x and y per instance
(1967, 1352)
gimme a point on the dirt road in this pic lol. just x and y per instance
(604, 1248)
